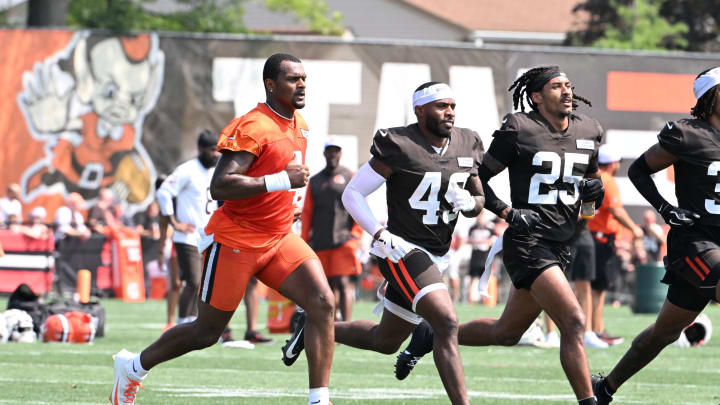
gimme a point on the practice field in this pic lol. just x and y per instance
(82, 374)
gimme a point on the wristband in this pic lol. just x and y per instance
(277, 181)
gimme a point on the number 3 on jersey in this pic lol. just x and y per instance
(431, 205)
(535, 197)
(710, 205)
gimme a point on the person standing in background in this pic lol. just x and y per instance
(189, 184)
(69, 220)
(10, 206)
(331, 231)
(653, 237)
(605, 226)
(481, 238)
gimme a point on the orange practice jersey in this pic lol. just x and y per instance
(604, 221)
(259, 222)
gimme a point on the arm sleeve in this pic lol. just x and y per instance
(170, 189)
(502, 152)
(504, 147)
(492, 202)
(364, 183)
(639, 173)
(307, 214)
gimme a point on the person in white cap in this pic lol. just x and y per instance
(429, 170)
(36, 228)
(692, 264)
(606, 224)
(330, 230)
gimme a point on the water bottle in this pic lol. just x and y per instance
(587, 210)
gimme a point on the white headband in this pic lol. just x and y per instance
(706, 82)
(429, 94)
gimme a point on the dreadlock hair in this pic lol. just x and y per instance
(706, 103)
(528, 80)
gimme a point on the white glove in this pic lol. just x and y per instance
(459, 198)
(393, 246)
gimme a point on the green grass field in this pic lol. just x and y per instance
(82, 374)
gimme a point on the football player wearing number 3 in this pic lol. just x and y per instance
(549, 152)
(429, 168)
(692, 147)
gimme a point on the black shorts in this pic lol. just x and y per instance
(408, 281)
(526, 256)
(189, 262)
(606, 263)
(692, 266)
(582, 258)
(477, 262)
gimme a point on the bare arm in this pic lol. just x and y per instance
(622, 216)
(229, 181)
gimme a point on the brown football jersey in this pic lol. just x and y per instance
(697, 185)
(546, 166)
(417, 208)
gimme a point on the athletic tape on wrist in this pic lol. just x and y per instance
(277, 181)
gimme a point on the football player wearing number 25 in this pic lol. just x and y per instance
(549, 153)
(692, 147)
(429, 168)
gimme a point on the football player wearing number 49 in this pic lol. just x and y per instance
(549, 153)
(429, 168)
(692, 147)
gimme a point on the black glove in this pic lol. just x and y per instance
(675, 216)
(592, 190)
(522, 220)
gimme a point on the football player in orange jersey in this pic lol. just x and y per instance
(261, 163)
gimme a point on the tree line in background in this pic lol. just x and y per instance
(196, 15)
(686, 25)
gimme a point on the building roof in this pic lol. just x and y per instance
(555, 16)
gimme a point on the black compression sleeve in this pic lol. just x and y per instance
(492, 202)
(639, 174)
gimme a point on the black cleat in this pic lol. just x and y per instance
(599, 387)
(257, 338)
(296, 343)
(405, 364)
(421, 344)
(226, 336)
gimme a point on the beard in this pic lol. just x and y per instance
(208, 161)
(434, 126)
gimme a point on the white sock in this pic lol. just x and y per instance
(319, 396)
(136, 369)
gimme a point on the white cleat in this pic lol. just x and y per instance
(126, 384)
(552, 339)
(592, 340)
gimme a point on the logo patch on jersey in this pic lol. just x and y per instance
(585, 144)
(465, 162)
(304, 132)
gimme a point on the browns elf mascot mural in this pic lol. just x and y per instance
(83, 108)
